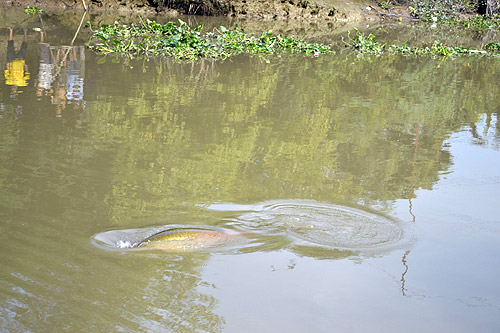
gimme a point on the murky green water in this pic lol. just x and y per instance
(364, 193)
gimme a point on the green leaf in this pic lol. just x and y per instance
(101, 60)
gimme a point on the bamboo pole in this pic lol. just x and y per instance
(79, 27)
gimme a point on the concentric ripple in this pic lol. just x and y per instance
(321, 224)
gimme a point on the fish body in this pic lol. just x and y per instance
(184, 239)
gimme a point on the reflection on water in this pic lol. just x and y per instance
(61, 75)
(61, 72)
(403, 275)
(16, 72)
(92, 146)
(173, 295)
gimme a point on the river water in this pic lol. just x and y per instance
(363, 192)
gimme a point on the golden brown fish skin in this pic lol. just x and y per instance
(182, 239)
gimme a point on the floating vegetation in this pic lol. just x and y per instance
(180, 41)
(493, 47)
(32, 10)
(364, 44)
(451, 12)
(481, 22)
(369, 45)
(439, 11)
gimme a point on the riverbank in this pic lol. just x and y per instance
(316, 10)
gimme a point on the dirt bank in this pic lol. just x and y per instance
(329, 10)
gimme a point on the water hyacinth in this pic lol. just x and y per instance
(480, 22)
(369, 45)
(29, 10)
(180, 41)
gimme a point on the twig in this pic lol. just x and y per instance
(78, 30)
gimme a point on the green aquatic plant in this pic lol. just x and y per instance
(440, 11)
(450, 12)
(364, 44)
(476, 22)
(384, 4)
(369, 45)
(493, 47)
(29, 10)
(180, 41)
(435, 49)
(481, 22)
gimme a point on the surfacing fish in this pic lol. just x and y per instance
(184, 239)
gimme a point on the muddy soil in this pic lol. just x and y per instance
(322, 10)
